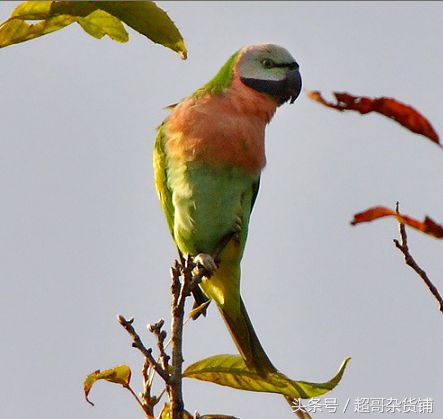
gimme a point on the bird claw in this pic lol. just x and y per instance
(206, 261)
(238, 225)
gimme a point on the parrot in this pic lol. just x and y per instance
(208, 157)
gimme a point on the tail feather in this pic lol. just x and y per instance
(199, 299)
(246, 340)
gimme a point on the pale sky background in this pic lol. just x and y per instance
(82, 236)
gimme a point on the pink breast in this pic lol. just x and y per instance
(222, 130)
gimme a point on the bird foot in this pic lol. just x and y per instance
(238, 225)
(206, 261)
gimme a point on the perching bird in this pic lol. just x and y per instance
(208, 156)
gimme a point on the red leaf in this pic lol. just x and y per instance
(399, 112)
(428, 226)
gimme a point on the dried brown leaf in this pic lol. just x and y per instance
(403, 114)
(427, 226)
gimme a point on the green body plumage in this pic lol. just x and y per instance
(208, 157)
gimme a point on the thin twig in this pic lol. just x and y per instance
(137, 343)
(148, 401)
(145, 372)
(403, 247)
(146, 394)
(160, 335)
(184, 279)
(180, 291)
(149, 414)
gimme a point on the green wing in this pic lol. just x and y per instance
(161, 179)
(165, 196)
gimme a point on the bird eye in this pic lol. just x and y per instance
(267, 63)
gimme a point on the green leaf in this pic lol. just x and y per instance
(166, 413)
(148, 19)
(52, 16)
(14, 31)
(119, 375)
(100, 23)
(32, 10)
(73, 8)
(198, 310)
(97, 18)
(231, 371)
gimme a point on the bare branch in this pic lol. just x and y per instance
(148, 401)
(180, 291)
(403, 247)
(147, 352)
(160, 335)
(174, 386)
(184, 279)
(145, 407)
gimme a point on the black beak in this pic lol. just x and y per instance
(284, 90)
(293, 86)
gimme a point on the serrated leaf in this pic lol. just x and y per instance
(148, 19)
(119, 375)
(231, 371)
(101, 23)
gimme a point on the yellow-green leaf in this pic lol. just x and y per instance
(73, 8)
(14, 30)
(166, 413)
(148, 19)
(32, 10)
(53, 15)
(101, 23)
(97, 18)
(231, 371)
(119, 375)
(198, 310)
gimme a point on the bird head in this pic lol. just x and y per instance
(270, 69)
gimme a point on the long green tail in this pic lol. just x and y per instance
(246, 340)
